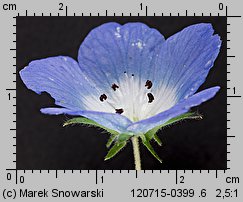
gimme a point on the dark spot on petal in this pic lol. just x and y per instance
(150, 97)
(148, 84)
(119, 111)
(132, 74)
(103, 97)
(114, 86)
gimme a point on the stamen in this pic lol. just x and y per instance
(150, 97)
(132, 74)
(114, 86)
(148, 84)
(103, 97)
(119, 111)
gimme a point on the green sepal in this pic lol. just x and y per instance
(156, 138)
(118, 138)
(115, 149)
(190, 115)
(123, 137)
(111, 140)
(85, 121)
(147, 144)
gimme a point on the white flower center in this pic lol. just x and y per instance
(134, 98)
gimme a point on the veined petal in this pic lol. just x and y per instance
(182, 107)
(62, 78)
(112, 121)
(112, 49)
(118, 59)
(185, 60)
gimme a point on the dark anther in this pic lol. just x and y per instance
(114, 86)
(148, 84)
(103, 97)
(119, 111)
(125, 72)
(150, 97)
(132, 74)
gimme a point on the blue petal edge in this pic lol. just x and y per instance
(113, 121)
(182, 107)
(61, 77)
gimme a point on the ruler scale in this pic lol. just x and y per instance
(120, 185)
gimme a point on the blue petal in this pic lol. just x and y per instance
(186, 58)
(55, 111)
(113, 121)
(62, 78)
(112, 49)
(180, 108)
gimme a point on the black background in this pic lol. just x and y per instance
(42, 142)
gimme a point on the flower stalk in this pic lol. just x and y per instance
(136, 152)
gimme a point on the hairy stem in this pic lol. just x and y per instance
(137, 160)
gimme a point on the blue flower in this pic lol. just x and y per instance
(128, 78)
